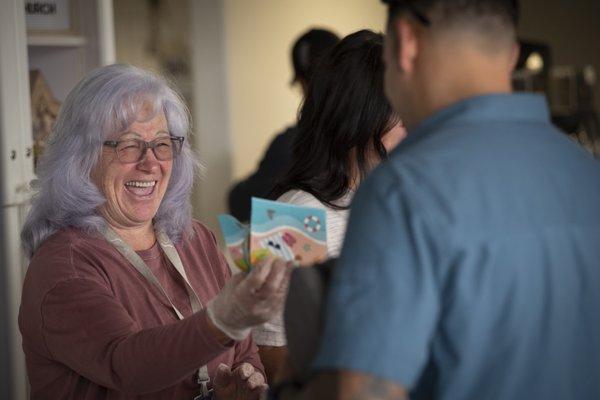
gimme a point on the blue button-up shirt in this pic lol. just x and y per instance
(471, 265)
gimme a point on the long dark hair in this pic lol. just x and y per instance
(342, 120)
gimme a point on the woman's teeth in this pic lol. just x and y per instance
(140, 188)
(141, 184)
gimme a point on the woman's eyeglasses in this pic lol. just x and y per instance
(134, 150)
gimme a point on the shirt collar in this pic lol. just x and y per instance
(508, 107)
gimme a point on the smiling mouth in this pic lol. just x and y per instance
(140, 188)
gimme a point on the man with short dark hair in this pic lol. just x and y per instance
(471, 264)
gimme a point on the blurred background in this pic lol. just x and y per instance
(231, 61)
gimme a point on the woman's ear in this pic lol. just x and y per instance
(393, 137)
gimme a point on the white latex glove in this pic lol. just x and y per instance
(248, 300)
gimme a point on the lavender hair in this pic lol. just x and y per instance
(105, 102)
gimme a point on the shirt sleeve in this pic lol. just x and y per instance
(271, 333)
(336, 219)
(88, 330)
(246, 351)
(382, 304)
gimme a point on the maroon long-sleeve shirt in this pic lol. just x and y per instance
(94, 328)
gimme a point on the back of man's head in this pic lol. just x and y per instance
(308, 50)
(439, 52)
(493, 21)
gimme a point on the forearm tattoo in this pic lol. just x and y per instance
(372, 388)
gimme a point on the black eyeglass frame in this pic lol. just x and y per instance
(147, 145)
(410, 6)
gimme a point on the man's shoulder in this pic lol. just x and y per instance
(288, 133)
(283, 141)
(396, 175)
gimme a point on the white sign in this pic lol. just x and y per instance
(48, 15)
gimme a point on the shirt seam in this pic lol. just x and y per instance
(434, 131)
(439, 273)
(484, 236)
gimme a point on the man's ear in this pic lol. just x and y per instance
(514, 56)
(407, 47)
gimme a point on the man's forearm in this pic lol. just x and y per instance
(345, 385)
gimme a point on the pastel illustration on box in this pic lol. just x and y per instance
(290, 232)
(236, 237)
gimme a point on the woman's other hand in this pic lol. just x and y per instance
(243, 383)
(250, 299)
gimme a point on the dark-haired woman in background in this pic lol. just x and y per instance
(346, 127)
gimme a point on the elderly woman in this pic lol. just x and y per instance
(126, 296)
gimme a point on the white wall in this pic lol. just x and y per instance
(242, 66)
(241, 73)
(132, 31)
(15, 172)
(259, 35)
(211, 112)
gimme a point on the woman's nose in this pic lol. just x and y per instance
(148, 161)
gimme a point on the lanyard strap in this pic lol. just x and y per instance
(170, 251)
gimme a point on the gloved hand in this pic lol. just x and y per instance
(242, 383)
(248, 300)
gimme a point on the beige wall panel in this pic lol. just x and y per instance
(259, 36)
